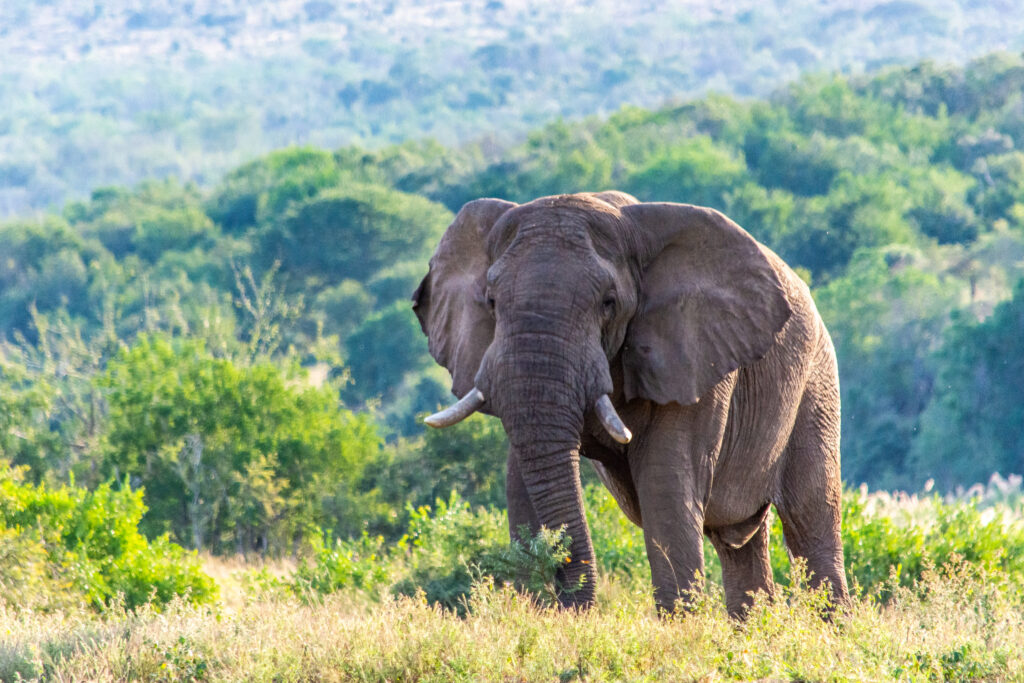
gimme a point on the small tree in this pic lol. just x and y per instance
(234, 457)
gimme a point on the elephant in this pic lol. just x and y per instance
(666, 345)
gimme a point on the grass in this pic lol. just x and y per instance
(956, 624)
(336, 614)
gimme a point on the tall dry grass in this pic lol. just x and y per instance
(959, 624)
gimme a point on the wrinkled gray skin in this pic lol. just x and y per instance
(710, 348)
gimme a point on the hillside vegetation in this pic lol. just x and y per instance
(237, 370)
(100, 92)
(900, 197)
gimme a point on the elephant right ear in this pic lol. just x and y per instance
(711, 302)
(450, 301)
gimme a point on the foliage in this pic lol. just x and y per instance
(50, 411)
(196, 99)
(894, 540)
(886, 294)
(75, 545)
(234, 457)
(385, 346)
(335, 564)
(448, 546)
(467, 458)
(902, 542)
(977, 403)
(694, 171)
(352, 232)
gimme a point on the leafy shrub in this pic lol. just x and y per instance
(450, 548)
(235, 456)
(904, 534)
(89, 542)
(898, 537)
(25, 581)
(533, 565)
(447, 547)
(361, 564)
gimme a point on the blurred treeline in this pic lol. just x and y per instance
(247, 353)
(100, 92)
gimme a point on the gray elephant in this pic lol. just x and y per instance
(574, 316)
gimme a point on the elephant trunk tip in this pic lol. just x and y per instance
(459, 411)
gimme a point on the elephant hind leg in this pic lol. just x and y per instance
(746, 568)
(810, 492)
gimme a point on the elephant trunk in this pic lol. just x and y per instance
(541, 407)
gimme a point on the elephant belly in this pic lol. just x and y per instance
(737, 535)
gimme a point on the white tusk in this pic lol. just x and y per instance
(453, 414)
(611, 420)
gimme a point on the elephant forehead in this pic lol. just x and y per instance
(559, 224)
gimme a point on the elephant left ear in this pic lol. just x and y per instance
(450, 301)
(711, 302)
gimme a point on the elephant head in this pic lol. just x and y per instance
(535, 308)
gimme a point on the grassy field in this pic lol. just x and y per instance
(938, 591)
(955, 624)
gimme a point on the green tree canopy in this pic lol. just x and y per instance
(974, 424)
(351, 232)
(234, 457)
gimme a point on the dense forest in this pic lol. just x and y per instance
(195, 342)
(111, 92)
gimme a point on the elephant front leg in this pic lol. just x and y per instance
(674, 542)
(672, 496)
(672, 464)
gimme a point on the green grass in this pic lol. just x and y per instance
(957, 624)
(938, 595)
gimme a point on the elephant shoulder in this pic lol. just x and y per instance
(796, 290)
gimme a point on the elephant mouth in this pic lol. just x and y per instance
(474, 400)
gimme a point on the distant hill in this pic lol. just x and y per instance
(99, 92)
(899, 196)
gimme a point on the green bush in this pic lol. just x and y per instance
(235, 456)
(88, 543)
(449, 548)
(25, 581)
(446, 548)
(338, 564)
(899, 537)
(906, 534)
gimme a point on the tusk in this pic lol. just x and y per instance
(611, 420)
(453, 414)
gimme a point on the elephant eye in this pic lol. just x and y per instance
(608, 304)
